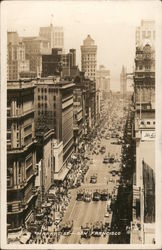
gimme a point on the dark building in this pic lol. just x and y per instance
(21, 154)
(59, 63)
(51, 64)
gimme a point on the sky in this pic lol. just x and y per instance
(111, 24)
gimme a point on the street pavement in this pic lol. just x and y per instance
(82, 212)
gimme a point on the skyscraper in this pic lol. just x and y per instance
(123, 82)
(88, 57)
(54, 34)
(16, 57)
(145, 31)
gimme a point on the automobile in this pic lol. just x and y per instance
(93, 179)
(97, 229)
(104, 195)
(66, 228)
(111, 160)
(106, 159)
(113, 173)
(86, 231)
(96, 196)
(107, 215)
(102, 150)
(87, 197)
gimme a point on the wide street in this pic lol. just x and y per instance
(82, 212)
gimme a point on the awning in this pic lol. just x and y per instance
(62, 174)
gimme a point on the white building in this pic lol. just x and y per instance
(145, 31)
(55, 35)
(88, 57)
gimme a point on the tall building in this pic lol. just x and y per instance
(59, 63)
(16, 58)
(77, 116)
(35, 47)
(123, 82)
(103, 81)
(88, 57)
(58, 37)
(54, 103)
(54, 34)
(143, 224)
(145, 31)
(21, 154)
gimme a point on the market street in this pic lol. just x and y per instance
(82, 212)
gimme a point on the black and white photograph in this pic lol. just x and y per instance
(80, 124)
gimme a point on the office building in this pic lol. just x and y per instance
(54, 110)
(88, 58)
(143, 224)
(16, 58)
(21, 154)
(146, 31)
(35, 47)
(54, 34)
(123, 82)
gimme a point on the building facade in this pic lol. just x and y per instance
(54, 34)
(103, 82)
(143, 224)
(123, 82)
(145, 31)
(54, 106)
(21, 154)
(59, 63)
(35, 47)
(88, 58)
(45, 158)
(16, 58)
(77, 116)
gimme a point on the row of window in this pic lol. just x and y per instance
(42, 97)
(42, 105)
(147, 122)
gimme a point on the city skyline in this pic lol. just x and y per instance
(110, 16)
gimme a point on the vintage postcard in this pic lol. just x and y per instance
(81, 119)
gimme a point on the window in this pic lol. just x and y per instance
(148, 123)
(154, 123)
(142, 123)
(39, 97)
(9, 208)
(45, 97)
